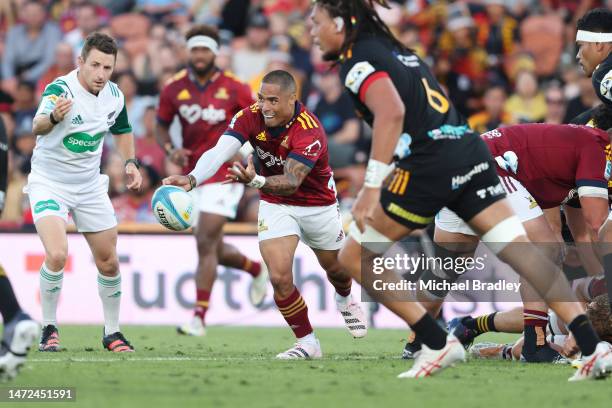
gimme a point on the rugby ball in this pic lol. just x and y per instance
(172, 207)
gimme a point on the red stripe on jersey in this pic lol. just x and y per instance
(369, 81)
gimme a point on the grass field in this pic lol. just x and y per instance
(233, 367)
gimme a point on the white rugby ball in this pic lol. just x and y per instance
(172, 207)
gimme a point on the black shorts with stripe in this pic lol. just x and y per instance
(464, 180)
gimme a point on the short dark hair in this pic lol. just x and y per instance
(202, 29)
(598, 20)
(602, 116)
(101, 42)
(281, 78)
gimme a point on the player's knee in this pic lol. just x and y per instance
(108, 266)
(207, 244)
(56, 258)
(282, 283)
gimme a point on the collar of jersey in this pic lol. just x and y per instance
(278, 130)
(197, 83)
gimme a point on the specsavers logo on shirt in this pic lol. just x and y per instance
(82, 142)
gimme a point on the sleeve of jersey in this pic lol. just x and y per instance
(593, 173)
(122, 123)
(361, 74)
(239, 126)
(307, 146)
(166, 109)
(49, 97)
(604, 80)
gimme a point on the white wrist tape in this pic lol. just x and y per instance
(589, 36)
(376, 172)
(257, 182)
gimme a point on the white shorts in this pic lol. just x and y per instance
(523, 205)
(89, 204)
(556, 329)
(317, 227)
(217, 198)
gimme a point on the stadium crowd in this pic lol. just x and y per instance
(502, 62)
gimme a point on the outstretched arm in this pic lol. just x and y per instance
(284, 184)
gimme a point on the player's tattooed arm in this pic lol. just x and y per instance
(288, 182)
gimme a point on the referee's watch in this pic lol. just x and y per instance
(133, 161)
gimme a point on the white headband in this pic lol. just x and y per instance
(589, 36)
(203, 41)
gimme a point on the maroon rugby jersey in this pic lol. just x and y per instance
(204, 111)
(302, 139)
(551, 161)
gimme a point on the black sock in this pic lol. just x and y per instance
(430, 333)
(585, 335)
(481, 324)
(607, 264)
(9, 307)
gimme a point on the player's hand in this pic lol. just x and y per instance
(134, 178)
(179, 181)
(180, 156)
(569, 346)
(239, 174)
(363, 208)
(62, 107)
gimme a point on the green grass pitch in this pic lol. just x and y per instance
(234, 367)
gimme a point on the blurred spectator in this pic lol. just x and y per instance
(149, 65)
(30, 47)
(113, 168)
(15, 200)
(493, 115)
(135, 206)
(24, 107)
(585, 100)
(123, 62)
(148, 150)
(527, 104)
(279, 60)
(252, 59)
(65, 61)
(134, 104)
(164, 11)
(23, 147)
(555, 105)
(66, 13)
(87, 22)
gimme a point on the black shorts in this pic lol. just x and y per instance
(464, 180)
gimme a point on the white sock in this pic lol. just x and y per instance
(50, 288)
(109, 289)
(343, 300)
(309, 338)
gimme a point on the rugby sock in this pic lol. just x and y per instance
(607, 264)
(253, 268)
(585, 335)
(535, 322)
(480, 324)
(50, 288)
(9, 307)
(429, 332)
(294, 310)
(342, 287)
(202, 298)
(109, 289)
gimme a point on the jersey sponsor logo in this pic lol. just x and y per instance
(508, 161)
(458, 181)
(184, 95)
(449, 132)
(77, 120)
(357, 75)
(193, 113)
(41, 206)
(52, 98)
(492, 191)
(285, 142)
(222, 94)
(268, 158)
(312, 149)
(261, 226)
(261, 136)
(608, 170)
(411, 61)
(81, 142)
(605, 87)
(407, 215)
(254, 107)
(402, 149)
(491, 134)
(307, 121)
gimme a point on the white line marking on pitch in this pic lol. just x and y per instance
(154, 359)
